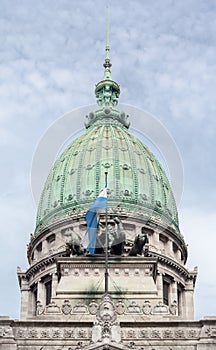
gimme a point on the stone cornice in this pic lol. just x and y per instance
(181, 270)
(42, 263)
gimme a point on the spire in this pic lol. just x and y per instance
(107, 64)
(107, 91)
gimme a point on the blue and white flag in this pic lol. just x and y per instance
(89, 240)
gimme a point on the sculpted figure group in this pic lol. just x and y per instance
(116, 241)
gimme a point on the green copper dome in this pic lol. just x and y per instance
(138, 186)
(137, 183)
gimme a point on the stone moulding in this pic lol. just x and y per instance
(133, 335)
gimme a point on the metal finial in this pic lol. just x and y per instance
(107, 91)
(107, 33)
(107, 63)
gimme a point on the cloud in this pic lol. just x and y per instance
(163, 56)
(198, 227)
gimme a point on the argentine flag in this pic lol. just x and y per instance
(89, 240)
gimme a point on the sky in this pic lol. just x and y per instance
(163, 56)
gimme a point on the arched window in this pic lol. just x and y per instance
(47, 280)
(166, 289)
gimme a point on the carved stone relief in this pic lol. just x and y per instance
(66, 307)
(106, 311)
(93, 307)
(173, 308)
(160, 308)
(5, 332)
(133, 308)
(147, 308)
(52, 308)
(39, 308)
(120, 307)
(80, 308)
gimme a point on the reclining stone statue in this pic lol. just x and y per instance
(118, 239)
(73, 243)
(140, 241)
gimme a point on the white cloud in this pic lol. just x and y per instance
(163, 56)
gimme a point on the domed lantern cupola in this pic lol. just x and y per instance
(107, 91)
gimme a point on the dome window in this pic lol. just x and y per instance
(144, 196)
(151, 159)
(169, 212)
(126, 167)
(107, 165)
(88, 193)
(158, 203)
(126, 193)
(166, 186)
(89, 167)
(51, 238)
(123, 149)
(107, 110)
(91, 149)
(39, 247)
(142, 171)
(72, 171)
(163, 238)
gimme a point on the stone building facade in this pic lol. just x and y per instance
(149, 304)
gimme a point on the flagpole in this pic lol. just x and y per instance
(106, 245)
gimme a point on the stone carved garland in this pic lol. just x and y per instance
(5, 332)
(211, 332)
(50, 333)
(155, 333)
(106, 330)
(120, 308)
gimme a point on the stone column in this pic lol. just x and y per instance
(154, 242)
(188, 301)
(41, 292)
(159, 283)
(178, 255)
(169, 248)
(45, 249)
(25, 290)
(54, 284)
(174, 293)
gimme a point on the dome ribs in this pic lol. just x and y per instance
(81, 163)
(98, 162)
(116, 163)
(136, 180)
(134, 166)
